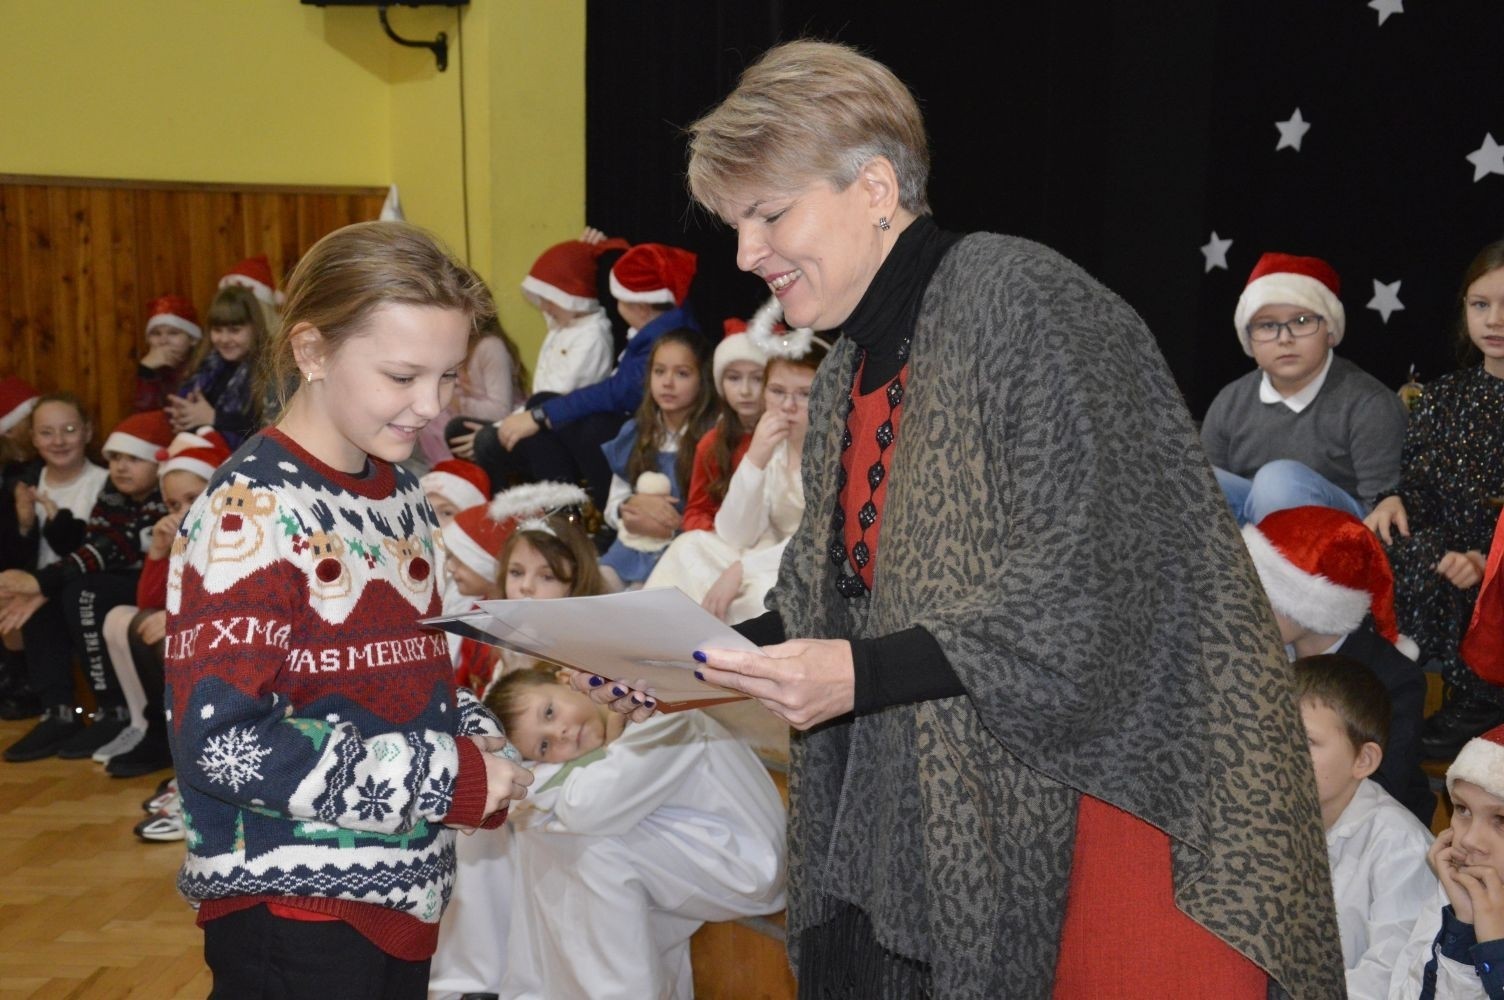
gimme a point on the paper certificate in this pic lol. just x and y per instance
(637, 636)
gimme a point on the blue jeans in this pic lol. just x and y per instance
(1279, 485)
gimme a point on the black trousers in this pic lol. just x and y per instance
(568, 454)
(257, 956)
(72, 625)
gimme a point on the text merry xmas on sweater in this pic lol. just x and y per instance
(249, 630)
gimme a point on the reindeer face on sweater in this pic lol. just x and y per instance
(238, 523)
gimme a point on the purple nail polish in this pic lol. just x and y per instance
(618, 692)
(596, 682)
(699, 656)
(636, 700)
(650, 703)
(699, 676)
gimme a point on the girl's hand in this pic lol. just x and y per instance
(1462, 569)
(803, 681)
(637, 703)
(506, 780)
(463, 445)
(26, 510)
(722, 593)
(651, 515)
(1388, 516)
(1481, 882)
(49, 506)
(162, 534)
(1444, 859)
(517, 427)
(153, 628)
(19, 583)
(772, 429)
(190, 413)
(17, 611)
(592, 235)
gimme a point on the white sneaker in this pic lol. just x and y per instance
(166, 795)
(161, 828)
(127, 741)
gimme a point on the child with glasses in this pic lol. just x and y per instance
(1305, 427)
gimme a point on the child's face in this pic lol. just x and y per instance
(469, 582)
(1333, 754)
(1478, 825)
(443, 509)
(528, 575)
(59, 432)
(557, 724)
(674, 379)
(175, 342)
(1484, 303)
(741, 388)
(787, 392)
(1290, 362)
(180, 488)
(135, 477)
(556, 316)
(233, 342)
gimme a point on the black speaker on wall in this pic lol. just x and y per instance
(385, 3)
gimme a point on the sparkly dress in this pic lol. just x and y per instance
(1453, 465)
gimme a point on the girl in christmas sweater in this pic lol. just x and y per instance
(323, 753)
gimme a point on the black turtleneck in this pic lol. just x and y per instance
(907, 666)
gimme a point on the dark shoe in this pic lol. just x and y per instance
(59, 724)
(20, 705)
(108, 724)
(1459, 720)
(148, 756)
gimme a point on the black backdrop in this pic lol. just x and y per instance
(1123, 134)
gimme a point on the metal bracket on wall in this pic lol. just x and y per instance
(439, 46)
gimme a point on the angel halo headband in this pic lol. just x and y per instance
(790, 344)
(533, 504)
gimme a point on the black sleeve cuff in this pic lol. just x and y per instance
(1456, 938)
(764, 630)
(1488, 960)
(899, 669)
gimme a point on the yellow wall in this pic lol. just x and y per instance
(275, 92)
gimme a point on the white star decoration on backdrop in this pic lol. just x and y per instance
(1487, 158)
(1292, 131)
(1387, 7)
(1386, 299)
(1215, 252)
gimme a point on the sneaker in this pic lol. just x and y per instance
(161, 828)
(167, 791)
(59, 725)
(130, 737)
(108, 724)
(148, 756)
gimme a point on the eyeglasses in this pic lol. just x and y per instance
(778, 395)
(59, 433)
(1267, 330)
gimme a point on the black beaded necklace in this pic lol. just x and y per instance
(849, 584)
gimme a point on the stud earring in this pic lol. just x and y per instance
(308, 377)
(882, 224)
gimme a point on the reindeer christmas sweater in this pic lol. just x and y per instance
(315, 726)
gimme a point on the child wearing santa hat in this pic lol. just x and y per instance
(1456, 948)
(737, 374)
(1329, 584)
(450, 487)
(559, 438)
(17, 400)
(67, 600)
(172, 334)
(473, 543)
(221, 391)
(1305, 426)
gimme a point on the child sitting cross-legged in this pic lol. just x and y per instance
(1376, 848)
(645, 833)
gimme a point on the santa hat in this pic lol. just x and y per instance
(1284, 279)
(565, 274)
(531, 505)
(1325, 571)
(476, 539)
(462, 483)
(174, 311)
(255, 273)
(1483, 646)
(735, 346)
(1481, 762)
(17, 400)
(141, 435)
(199, 452)
(653, 273)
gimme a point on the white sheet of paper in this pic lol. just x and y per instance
(638, 635)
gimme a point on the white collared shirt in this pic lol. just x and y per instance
(1296, 401)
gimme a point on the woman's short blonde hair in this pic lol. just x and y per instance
(809, 110)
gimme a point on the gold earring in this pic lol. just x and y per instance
(308, 377)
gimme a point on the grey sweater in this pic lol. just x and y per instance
(1351, 433)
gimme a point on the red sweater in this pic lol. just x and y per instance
(700, 509)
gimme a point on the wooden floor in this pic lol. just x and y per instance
(86, 909)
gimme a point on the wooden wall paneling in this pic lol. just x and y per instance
(15, 348)
(126, 296)
(37, 278)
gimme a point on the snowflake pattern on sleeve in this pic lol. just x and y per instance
(233, 757)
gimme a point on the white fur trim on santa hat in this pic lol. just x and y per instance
(654, 295)
(178, 323)
(1482, 763)
(536, 290)
(186, 463)
(465, 549)
(1282, 288)
(1407, 646)
(18, 413)
(1316, 602)
(457, 490)
(129, 444)
(734, 348)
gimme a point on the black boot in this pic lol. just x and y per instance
(1459, 720)
(107, 724)
(60, 724)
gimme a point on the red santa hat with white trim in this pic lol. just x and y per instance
(476, 539)
(141, 435)
(1481, 762)
(1325, 571)
(653, 274)
(736, 345)
(255, 273)
(462, 483)
(1285, 279)
(565, 274)
(199, 452)
(176, 312)
(17, 400)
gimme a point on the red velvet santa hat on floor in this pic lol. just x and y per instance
(735, 346)
(565, 274)
(1483, 645)
(462, 483)
(1285, 279)
(17, 400)
(653, 274)
(255, 273)
(476, 539)
(1481, 762)
(141, 435)
(1325, 571)
(176, 312)
(199, 452)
